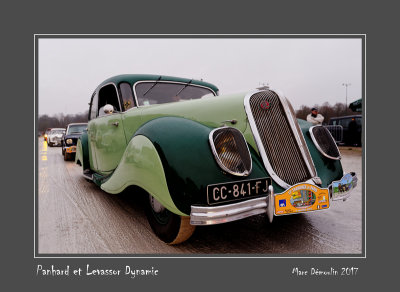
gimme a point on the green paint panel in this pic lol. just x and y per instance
(188, 161)
(82, 151)
(327, 169)
(141, 166)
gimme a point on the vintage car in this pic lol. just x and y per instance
(55, 136)
(351, 129)
(68, 141)
(207, 159)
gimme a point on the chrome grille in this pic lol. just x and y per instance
(324, 142)
(231, 151)
(279, 138)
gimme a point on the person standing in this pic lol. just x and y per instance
(314, 117)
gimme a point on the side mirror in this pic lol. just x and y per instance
(108, 109)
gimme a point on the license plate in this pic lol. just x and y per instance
(301, 198)
(233, 191)
(71, 149)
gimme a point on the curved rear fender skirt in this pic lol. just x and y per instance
(327, 169)
(82, 151)
(141, 166)
(188, 161)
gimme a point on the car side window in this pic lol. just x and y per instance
(345, 122)
(93, 106)
(108, 95)
(127, 96)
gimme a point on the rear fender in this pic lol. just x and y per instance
(82, 151)
(141, 166)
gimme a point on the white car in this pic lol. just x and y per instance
(55, 136)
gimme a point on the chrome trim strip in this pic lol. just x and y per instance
(164, 81)
(200, 215)
(319, 148)
(216, 156)
(259, 143)
(271, 204)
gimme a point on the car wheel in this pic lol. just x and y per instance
(50, 145)
(62, 150)
(169, 227)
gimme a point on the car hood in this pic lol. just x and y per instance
(212, 112)
(71, 136)
(55, 135)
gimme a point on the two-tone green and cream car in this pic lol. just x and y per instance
(207, 159)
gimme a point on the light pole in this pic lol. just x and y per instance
(347, 85)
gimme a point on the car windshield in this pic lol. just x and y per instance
(76, 129)
(54, 132)
(149, 93)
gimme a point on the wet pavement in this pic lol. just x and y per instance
(77, 217)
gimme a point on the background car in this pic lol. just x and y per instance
(69, 140)
(206, 159)
(352, 128)
(55, 136)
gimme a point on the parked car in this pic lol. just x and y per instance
(206, 159)
(352, 128)
(68, 141)
(46, 133)
(55, 136)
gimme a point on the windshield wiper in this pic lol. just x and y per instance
(186, 85)
(159, 78)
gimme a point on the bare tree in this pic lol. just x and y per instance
(60, 120)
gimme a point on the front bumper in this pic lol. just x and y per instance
(202, 215)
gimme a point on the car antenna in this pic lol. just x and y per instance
(186, 85)
(159, 78)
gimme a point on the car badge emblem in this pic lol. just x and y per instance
(265, 105)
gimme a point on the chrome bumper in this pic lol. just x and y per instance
(200, 215)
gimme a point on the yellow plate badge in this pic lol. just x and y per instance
(301, 198)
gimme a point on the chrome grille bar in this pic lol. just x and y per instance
(279, 138)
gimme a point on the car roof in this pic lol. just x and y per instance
(72, 124)
(57, 129)
(133, 78)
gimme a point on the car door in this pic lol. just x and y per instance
(107, 137)
(109, 142)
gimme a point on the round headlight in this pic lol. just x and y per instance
(69, 141)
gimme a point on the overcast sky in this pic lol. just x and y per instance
(307, 71)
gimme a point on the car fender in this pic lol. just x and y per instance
(82, 151)
(141, 166)
(327, 169)
(185, 164)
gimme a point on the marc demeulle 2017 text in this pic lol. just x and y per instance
(347, 271)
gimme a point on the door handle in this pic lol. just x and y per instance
(115, 124)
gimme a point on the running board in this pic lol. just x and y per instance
(88, 174)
